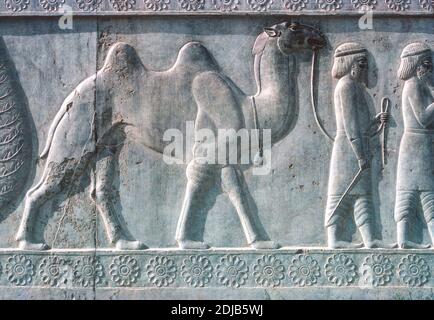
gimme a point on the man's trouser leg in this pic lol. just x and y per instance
(405, 205)
(427, 200)
(363, 211)
(334, 218)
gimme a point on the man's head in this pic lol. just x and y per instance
(351, 58)
(416, 60)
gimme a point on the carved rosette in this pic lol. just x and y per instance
(124, 270)
(161, 271)
(51, 5)
(226, 5)
(232, 271)
(295, 5)
(428, 5)
(377, 270)
(17, 5)
(304, 270)
(157, 5)
(88, 271)
(88, 5)
(413, 271)
(364, 4)
(268, 271)
(19, 270)
(122, 5)
(329, 5)
(192, 5)
(53, 271)
(196, 271)
(398, 5)
(260, 5)
(340, 269)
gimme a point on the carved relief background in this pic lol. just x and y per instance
(148, 194)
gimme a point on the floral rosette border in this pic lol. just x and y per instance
(226, 270)
(11, 7)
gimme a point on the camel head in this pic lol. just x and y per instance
(294, 36)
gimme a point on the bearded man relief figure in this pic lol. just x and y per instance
(415, 176)
(349, 186)
(124, 100)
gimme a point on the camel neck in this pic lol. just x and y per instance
(274, 99)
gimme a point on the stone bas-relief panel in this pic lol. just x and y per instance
(343, 199)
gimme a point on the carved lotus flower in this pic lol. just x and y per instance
(329, 5)
(88, 271)
(51, 5)
(398, 5)
(161, 271)
(413, 271)
(268, 271)
(304, 270)
(295, 5)
(122, 5)
(19, 270)
(340, 269)
(232, 271)
(88, 5)
(427, 4)
(260, 5)
(377, 270)
(53, 270)
(157, 5)
(17, 5)
(192, 5)
(226, 5)
(196, 271)
(124, 270)
(364, 4)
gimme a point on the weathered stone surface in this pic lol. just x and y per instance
(101, 210)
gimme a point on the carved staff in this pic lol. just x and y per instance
(347, 191)
(385, 103)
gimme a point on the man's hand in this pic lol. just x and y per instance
(364, 164)
(383, 117)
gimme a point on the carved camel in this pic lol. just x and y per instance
(124, 99)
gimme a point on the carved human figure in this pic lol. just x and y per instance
(415, 176)
(351, 151)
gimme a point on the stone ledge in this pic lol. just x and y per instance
(305, 293)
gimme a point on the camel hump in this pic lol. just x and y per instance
(196, 57)
(122, 57)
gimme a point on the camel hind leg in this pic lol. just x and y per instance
(55, 179)
(102, 194)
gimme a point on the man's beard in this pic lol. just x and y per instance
(426, 75)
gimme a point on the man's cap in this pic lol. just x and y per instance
(349, 49)
(414, 49)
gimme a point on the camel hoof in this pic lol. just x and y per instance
(190, 244)
(130, 245)
(412, 245)
(345, 245)
(27, 245)
(265, 245)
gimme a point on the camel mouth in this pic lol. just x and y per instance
(316, 43)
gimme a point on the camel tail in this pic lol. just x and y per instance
(67, 104)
